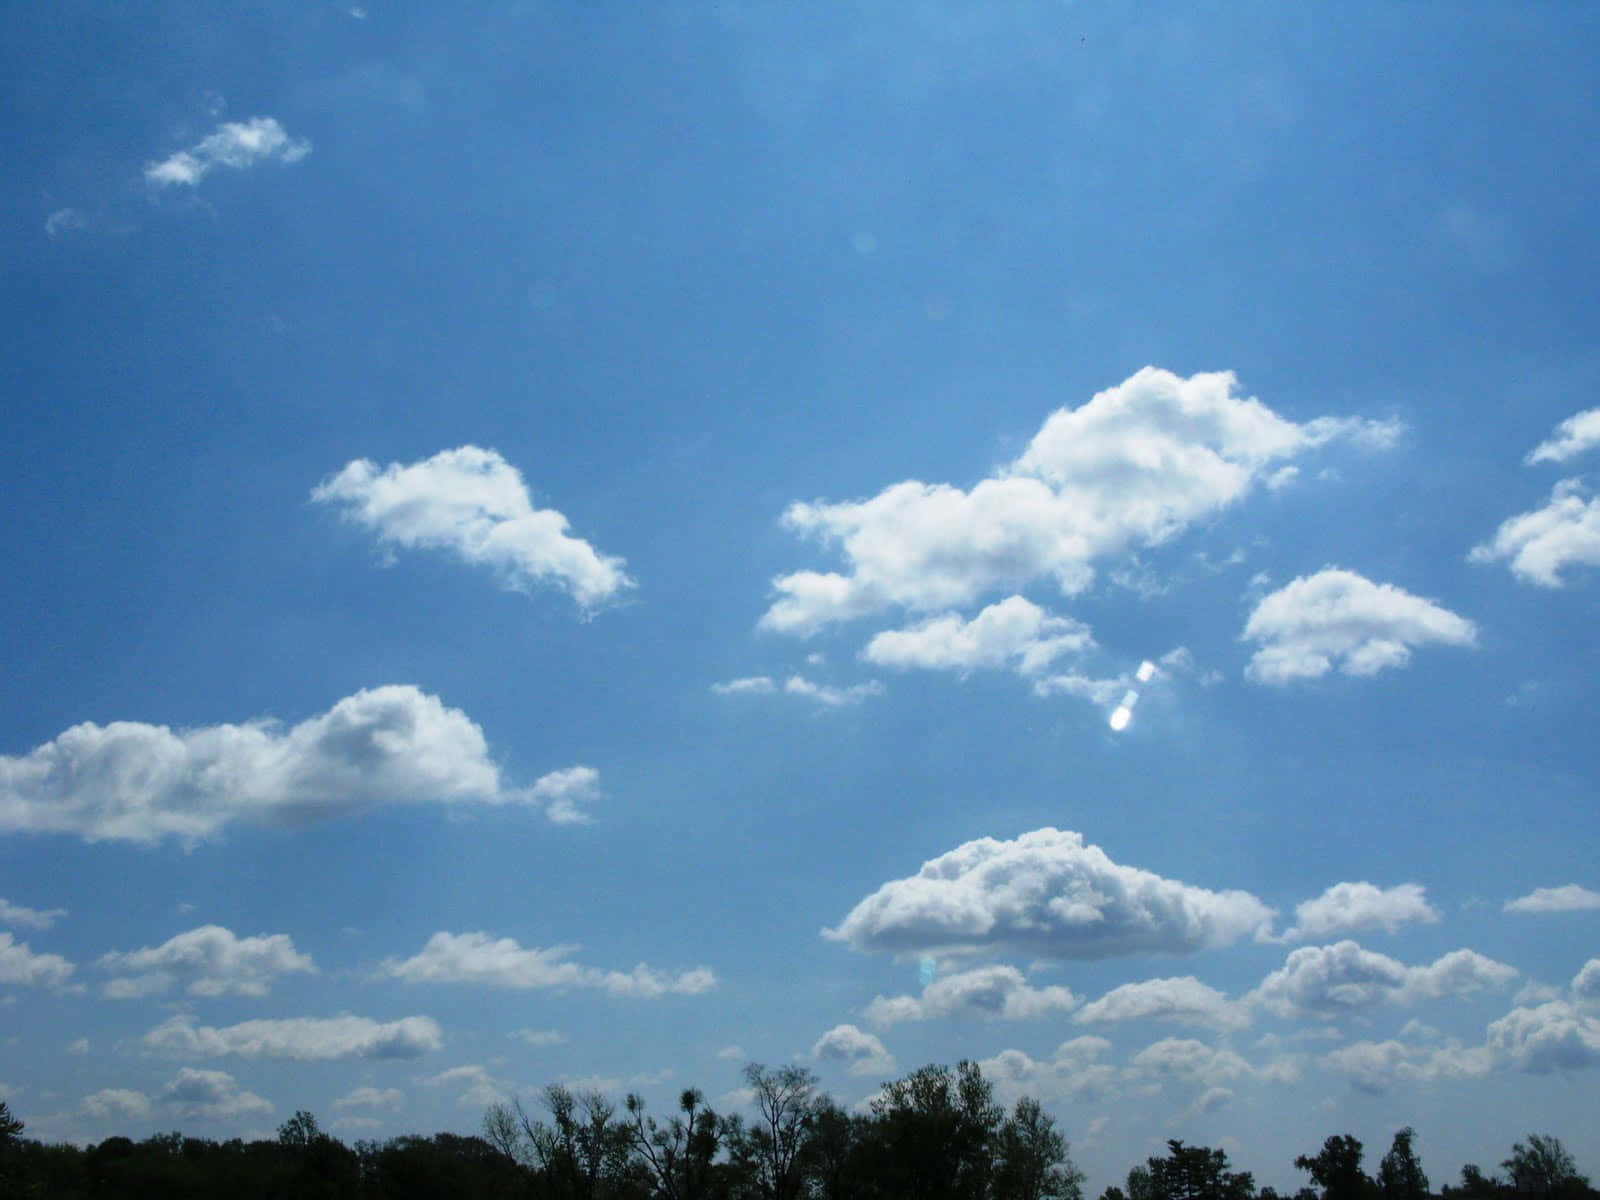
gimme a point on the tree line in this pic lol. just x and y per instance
(936, 1134)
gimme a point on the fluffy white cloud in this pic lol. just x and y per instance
(1338, 620)
(1186, 1060)
(1550, 1037)
(1332, 981)
(991, 993)
(20, 916)
(387, 745)
(1045, 892)
(210, 960)
(564, 794)
(1586, 983)
(1184, 1000)
(479, 1088)
(1567, 898)
(1351, 907)
(1572, 437)
(19, 964)
(1541, 544)
(1374, 1067)
(236, 145)
(371, 1097)
(1133, 466)
(210, 1096)
(473, 503)
(305, 1039)
(477, 958)
(861, 1053)
(123, 1104)
(1074, 1072)
(1012, 633)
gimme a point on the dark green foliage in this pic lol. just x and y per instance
(1400, 1174)
(1541, 1166)
(1336, 1169)
(1197, 1173)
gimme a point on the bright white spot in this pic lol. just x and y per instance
(1120, 718)
(1146, 671)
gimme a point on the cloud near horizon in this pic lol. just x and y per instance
(130, 781)
(1048, 893)
(477, 958)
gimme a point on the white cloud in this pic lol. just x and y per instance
(1586, 983)
(477, 958)
(541, 1037)
(236, 145)
(1551, 1037)
(1539, 545)
(1373, 1067)
(1183, 999)
(990, 993)
(135, 782)
(19, 916)
(79, 1046)
(1351, 907)
(122, 1104)
(481, 1089)
(1186, 1060)
(1336, 980)
(1338, 620)
(1074, 1072)
(210, 960)
(371, 1097)
(752, 685)
(473, 503)
(1134, 466)
(861, 1053)
(829, 696)
(305, 1039)
(19, 964)
(1567, 898)
(1049, 893)
(1012, 633)
(64, 220)
(210, 1096)
(1572, 437)
(733, 1053)
(564, 794)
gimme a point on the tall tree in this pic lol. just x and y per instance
(1196, 1173)
(785, 1101)
(1031, 1158)
(1400, 1174)
(677, 1154)
(933, 1134)
(1541, 1166)
(1336, 1169)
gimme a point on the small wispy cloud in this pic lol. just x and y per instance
(236, 145)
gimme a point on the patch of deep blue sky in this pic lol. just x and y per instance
(681, 270)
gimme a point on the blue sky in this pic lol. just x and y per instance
(580, 543)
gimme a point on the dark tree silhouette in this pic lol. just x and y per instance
(1400, 1174)
(1336, 1169)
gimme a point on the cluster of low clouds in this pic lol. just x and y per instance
(1540, 546)
(132, 781)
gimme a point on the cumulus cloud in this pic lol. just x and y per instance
(1374, 1067)
(210, 1096)
(478, 958)
(990, 993)
(1567, 898)
(1336, 980)
(1183, 999)
(304, 1039)
(19, 964)
(1586, 983)
(1134, 466)
(479, 1088)
(130, 781)
(1013, 633)
(235, 145)
(371, 1097)
(1578, 433)
(20, 916)
(565, 794)
(1186, 1060)
(1550, 1037)
(1076, 1071)
(1046, 892)
(472, 503)
(861, 1053)
(1541, 544)
(1351, 907)
(120, 1104)
(1338, 620)
(210, 960)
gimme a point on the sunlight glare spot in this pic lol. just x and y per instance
(1146, 671)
